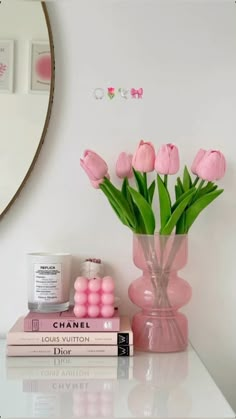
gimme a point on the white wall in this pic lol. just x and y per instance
(183, 54)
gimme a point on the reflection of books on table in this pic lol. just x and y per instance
(74, 362)
(99, 404)
(84, 398)
(87, 373)
(49, 405)
(74, 368)
(65, 386)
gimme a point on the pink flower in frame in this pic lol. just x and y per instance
(43, 67)
(3, 69)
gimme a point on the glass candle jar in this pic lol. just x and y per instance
(49, 276)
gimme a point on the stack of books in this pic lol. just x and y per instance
(64, 335)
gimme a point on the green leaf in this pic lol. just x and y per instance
(145, 210)
(180, 185)
(139, 222)
(115, 207)
(140, 226)
(124, 187)
(146, 196)
(127, 195)
(119, 201)
(210, 187)
(139, 182)
(165, 203)
(187, 181)
(151, 191)
(125, 191)
(182, 196)
(181, 224)
(176, 215)
(178, 192)
(194, 210)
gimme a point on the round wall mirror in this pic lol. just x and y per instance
(26, 91)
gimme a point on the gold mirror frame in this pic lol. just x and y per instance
(48, 115)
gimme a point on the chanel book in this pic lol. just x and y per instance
(17, 336)
(66, 321)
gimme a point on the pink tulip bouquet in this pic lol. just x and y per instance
(160, 292)
(133, 205)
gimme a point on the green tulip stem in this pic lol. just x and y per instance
(198, 189)
(165, 180)
(196, 181)
(201, 185)
(145, 186)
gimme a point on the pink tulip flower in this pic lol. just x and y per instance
(95, 167)
(167, 160)
(96, 183)
(212, 166)
(200, 154)
(144, 157)
(124, 165)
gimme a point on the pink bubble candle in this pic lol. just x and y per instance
(94, 297)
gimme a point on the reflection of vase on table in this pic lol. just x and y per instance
(160, 292)
(160, 377)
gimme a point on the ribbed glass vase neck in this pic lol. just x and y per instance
(160, 253)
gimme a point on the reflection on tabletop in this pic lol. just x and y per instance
(143, 386)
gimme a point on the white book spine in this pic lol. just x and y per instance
(73, 338)
(97, 350)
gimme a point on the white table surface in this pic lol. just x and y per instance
(148, 386)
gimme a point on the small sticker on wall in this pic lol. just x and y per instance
(98, 93)
(111, 91)
(136, 93)
(124, 93)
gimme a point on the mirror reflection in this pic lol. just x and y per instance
(26, 86)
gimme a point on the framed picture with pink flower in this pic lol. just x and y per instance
(40, 68)
(6, 66)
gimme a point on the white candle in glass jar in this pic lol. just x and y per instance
(49, 278)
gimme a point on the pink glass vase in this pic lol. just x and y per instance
(160, 292)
